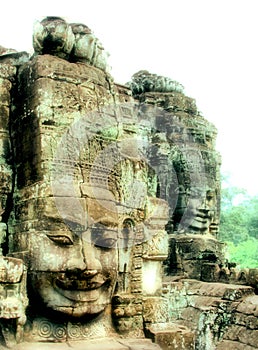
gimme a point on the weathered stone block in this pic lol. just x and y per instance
(5, 87)
(248, 321)
(192, 268)
(210, 272)
(190, 317)
(172, 337)
(199, 247)
(140, 344)
(253, 278)
(233, 345)
(107, 344)
(7, 71)
(11, 270)
(249, 306)
(222, 290)
(59, 69)
(242, 335)
(155, 310)
(234, 292)
(4, 117)
(123, 94)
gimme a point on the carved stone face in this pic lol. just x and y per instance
(202, 214)
(197, 211)
(73, 271)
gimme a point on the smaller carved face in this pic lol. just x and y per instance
(196, 212)
(202, 213)
(74, 272)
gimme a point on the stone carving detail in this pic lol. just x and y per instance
(75, 42)
(13, 299)
(143, 81)
(109, 211)
(53, 36)
(87, 48)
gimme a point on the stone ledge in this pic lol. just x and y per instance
(246, 320)
(242, 335)
(172, 336)
(249, 306)
(205, 303)
(232, 345)
(222, 290)
(97, 344)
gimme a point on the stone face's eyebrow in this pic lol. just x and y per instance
(105, 222)
(105, 225)
(75, 226)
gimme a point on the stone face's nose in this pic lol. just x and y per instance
(89, 255)
(205, 206)
(83, 258)
(89, 273)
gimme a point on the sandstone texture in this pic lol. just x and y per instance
(110, 206)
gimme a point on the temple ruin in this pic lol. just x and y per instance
(110, 207)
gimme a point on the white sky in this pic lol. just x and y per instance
(209, 46)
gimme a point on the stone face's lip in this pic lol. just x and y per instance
(80, 290)
(80, 296)
(201, 219)
(77, 284)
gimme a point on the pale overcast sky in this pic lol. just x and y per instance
(209, 46)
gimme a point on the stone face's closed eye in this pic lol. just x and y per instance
(64, 240)
(103, 238)
(100, 238)
(103, 242)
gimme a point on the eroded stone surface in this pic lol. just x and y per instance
(110, 201)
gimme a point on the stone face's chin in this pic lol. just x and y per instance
(91, 307)
(76, 299)
(77, 303)
(201, 220)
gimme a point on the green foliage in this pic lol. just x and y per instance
(244, 254)
(239, 226)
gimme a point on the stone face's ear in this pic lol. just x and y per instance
(53, 36)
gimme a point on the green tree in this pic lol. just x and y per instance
(244, 254)
(239, 225)
(252, 219)
(233, 225)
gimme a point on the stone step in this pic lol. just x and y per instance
(204, 303)
(225, 291)
(249, 306)
(96, 344)
(172, 336)
(242, 335)
(233, 345)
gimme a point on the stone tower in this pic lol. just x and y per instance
(109, 208)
